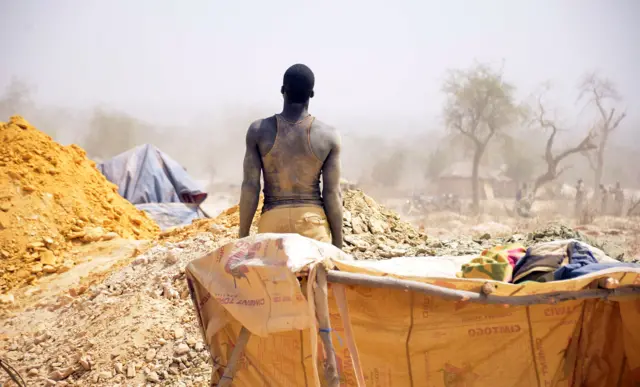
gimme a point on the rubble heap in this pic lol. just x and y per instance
(52, 196)
(138, 328)
(372, 231)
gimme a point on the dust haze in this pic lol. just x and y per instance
(190, 80)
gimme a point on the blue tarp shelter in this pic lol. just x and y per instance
(150, 179)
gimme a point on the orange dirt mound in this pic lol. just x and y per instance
(52, 196)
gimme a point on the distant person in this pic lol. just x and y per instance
(604, 199)
(521, 193)
(523, 201)
(618, 199)
(293, 150)
(579, 198)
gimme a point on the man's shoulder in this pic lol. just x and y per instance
(259, 127)
(328, 131)
(263, 123)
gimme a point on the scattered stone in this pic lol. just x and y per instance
(42, 338)
(85, 362)
(47, 258)
(178, 332)
(151, 354)
(182, 349)
(199, 346)
(105, 375)
(7, 299)
(140, 261)
(171, 258)
(131, 371)
(37, 268)
(153, 377)
(33, 372)
(60, 374)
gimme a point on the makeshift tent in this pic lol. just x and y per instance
(145, 174)
(405, 321)
(155, 183)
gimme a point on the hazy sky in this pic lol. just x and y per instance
(169, 61)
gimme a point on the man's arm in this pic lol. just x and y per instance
(331, 194)
(250, 194)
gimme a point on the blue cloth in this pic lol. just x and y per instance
(582, 262)
(145, 174)
(170, 214)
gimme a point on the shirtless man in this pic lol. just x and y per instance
(293, 150)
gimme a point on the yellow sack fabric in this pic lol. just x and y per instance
(406, 338)
(309, 221)
(495, 263)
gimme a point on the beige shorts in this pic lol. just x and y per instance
(310, 222)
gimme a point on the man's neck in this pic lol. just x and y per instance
(295, 111)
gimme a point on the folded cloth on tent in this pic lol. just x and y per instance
(582, 261)
(308, 221)
(170, 214)
(145, 174)
(495, 263)
(540, 261)
(561, 260)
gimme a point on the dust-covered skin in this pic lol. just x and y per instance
(307, 162)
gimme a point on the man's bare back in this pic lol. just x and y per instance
(320, 157)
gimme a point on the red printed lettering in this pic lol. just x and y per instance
(476, 332)
(559, 311)
(259, 302)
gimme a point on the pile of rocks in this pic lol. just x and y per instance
(137, 327)
(372, 231)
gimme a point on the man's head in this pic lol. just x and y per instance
(297, 84)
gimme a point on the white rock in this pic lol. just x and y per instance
(85, 362)
(151, 354)
(140, 261)
(182, 349)
(178, 332)
(131, 371)
(171, 257)
(153, 377)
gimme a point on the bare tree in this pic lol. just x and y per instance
(552, 159)
(479, 105)
(600, 91)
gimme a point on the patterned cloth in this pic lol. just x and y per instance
(540, 261)
(495, 263)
